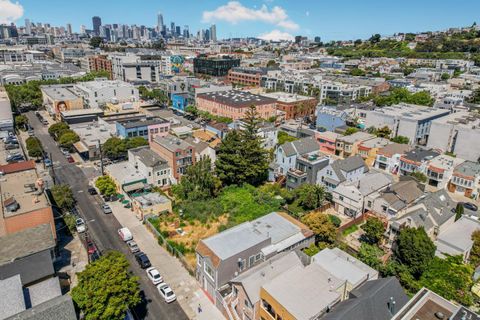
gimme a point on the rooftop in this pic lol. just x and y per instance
(102, 84)
(356, 137)
(59, 308)
(305, 292)
(236, 98)
(90, 133)
(25, 243)
(124, 173)
(345, 267)
(424, 305)
(286, 97)
(394, 148)
(150, 199)
(172, 143)
(411, 111)
(12, 301)
(147, 121)
(60, 92)
(375, 143)
(21, 193)
(468, 169)
(457, 238)
(420, 155)
(148, 157)
(254, 278)
(461, 119)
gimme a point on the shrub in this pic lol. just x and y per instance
(335, 220)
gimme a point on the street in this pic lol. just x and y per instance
(102, 227)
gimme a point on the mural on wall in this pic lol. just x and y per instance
(177, 63)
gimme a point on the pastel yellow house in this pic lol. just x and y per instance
(368, 149)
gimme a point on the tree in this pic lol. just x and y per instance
(284, 137)
(375, 38)
(106, 288)
(114, 148)
(415, 250)
(320, 224)
(445, 76)
(192, 110)
(241, 157)
(56, 130)
(68, 138)
(34, 147)
(475, 251)
(374, 229)
(310, 196)
(450, 278)
(370, 255)
(384, 132)
(459, 211)
(96, 42)
(350, 131)
(272, 64)
(400, 139)
(357, 72)
(106, 186)
(63, 196)
(419, 176)
(21, 121)
(135, 142)
(198, 183)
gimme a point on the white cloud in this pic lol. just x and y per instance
(10, 11)
(234, 12)
(276, 35)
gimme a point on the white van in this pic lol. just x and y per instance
(125, 234)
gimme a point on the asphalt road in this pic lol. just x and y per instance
(103, 228)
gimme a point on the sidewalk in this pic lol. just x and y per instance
(189, 294)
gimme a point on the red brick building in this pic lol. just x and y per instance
(295, 106)
(100, 63)
(246, 76)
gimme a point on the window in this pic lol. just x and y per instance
(341, 198)
(209, 271)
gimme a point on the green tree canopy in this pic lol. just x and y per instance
(357, 72)
(374, 230)
(96, 42)
(34, 147)
(68, 138)
(21, 121)
(350, 131)
(114, 148)
(475, 251)
(106, 186)
(106, 288)
(63, 196)
(135, 142)
(56, 130)
(415, 250)
(370, 255)
(400, 139)
(310, 196)
(241, 157)
(199, 182)
(284, 137)
(321, 225)
(419, 176)
(459, 211)
(450, 278)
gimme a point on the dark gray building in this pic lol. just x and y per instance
(214, 66)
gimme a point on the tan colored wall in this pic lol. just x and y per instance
(279, 309)
(265, 111)
(29, 220)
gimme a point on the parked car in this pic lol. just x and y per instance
(48, 162)
(92, 191)
(142, 260)
(106, 208)
(44, 122)
(470, 206)
(166, 292)
(70, 159)
(154, 275)
(80, 225)
(31, 133)
(14, 158)
(125, 234)
(91, 248)
(11, 146)
(10, 139)
(133, 247)
(65, 152)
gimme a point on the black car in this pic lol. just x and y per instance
(143, 260)
(92, 191)
(470, 206)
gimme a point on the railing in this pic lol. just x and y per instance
(164, 243)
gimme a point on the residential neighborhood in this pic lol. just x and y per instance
(221, 170)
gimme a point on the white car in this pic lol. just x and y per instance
(80, 225)
(166, 292)
(125, 234)
(154, 275)
(132, 246)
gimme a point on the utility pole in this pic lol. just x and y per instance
(101, 156)
(53, 168)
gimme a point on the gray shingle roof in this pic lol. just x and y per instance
(60, 308)
(468, 168)
(31, 268)
(347, 165)
(148, 157)
(11, 297)
(370, 301)
(26, 242)
(419, 155)
(301, 146)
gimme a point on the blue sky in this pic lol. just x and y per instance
(339, 19)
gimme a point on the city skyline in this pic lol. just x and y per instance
(268, 19)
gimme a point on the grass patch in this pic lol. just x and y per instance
(350, 230)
